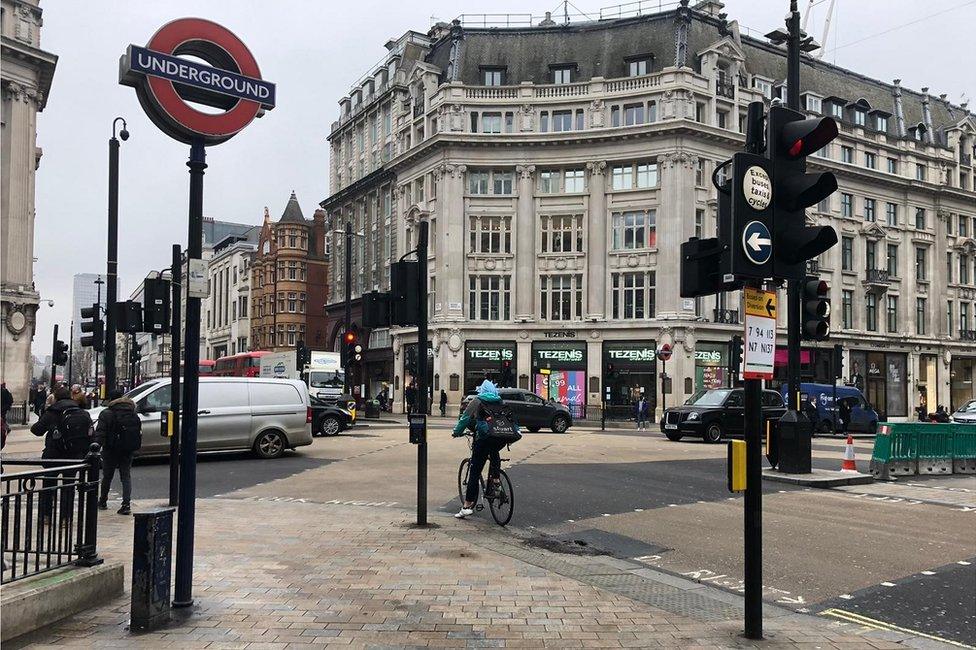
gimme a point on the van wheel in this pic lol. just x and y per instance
(713, 433)
(329, 426)
(270, 444)
(560, 423)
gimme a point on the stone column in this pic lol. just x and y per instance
(675, 224)
(451, 266)
(596, 246)
(525, 229)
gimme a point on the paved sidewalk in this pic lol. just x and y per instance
(291, 574)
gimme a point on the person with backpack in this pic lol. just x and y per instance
(494, 427)
(119, 430)
(67, 434)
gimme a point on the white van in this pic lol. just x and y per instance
(265, 415)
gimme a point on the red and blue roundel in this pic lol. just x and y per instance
(165, 82)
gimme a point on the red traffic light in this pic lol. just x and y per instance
(803, 137)
(350, 337)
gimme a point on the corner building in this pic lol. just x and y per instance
(560, 167)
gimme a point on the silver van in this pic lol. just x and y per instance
(265, 415)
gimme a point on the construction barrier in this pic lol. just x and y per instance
(909, 448)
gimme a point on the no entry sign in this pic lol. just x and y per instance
(165, 82)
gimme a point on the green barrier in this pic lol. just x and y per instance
(895, 450)
(964, 449)
(907, 448)
(934, 448)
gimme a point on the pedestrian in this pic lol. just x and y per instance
(811, 411)
(67, 435)
(119, 430)
(443, 403)
(410, 394)
(40, 398)
(844, 412)
(6, 400)
(640, 413)
(941, 415)
(78, 395)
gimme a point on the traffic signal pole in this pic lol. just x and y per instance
(793, 299)
(176, 286)
(54, 354)
(422, 378)
(346, 364)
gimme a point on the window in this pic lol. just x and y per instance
(871, 311)
(948, 267)
(892, 165)
(881, 123)
(477, 182)
(642, 175)
(634, 230)
(763, 86)
(963, 317)
(490, 234)
(561, 297)
(921, 314)
(891, 213)
(949, 323)
(622, 178)
(847, 253)
(562, 120)
(814, 104)
(949, 219)
(562, 233)
(846, 204)
(870, 160)
(892, 314)
(722, 119)
(921, 263)
(633, 295)
(292, 303)
(700, 173)
(493, 76)
(699, 222)
(920, 218)
(919, 172)
(574, 180)
(860, 117)
(633, 114)
(870, 255)
(846, 154)
(893, 260)
(502, 182)
(638, 67)
(489, 297)
(824, 205)
(491, 122)
(869, 210)
(562, 75)
(647, 175)
(963, 226)
(963, 269)
(847, 308)
(700, 112)
(837, 110)
(548, 182)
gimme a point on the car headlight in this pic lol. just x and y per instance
(694, 415)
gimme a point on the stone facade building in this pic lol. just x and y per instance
(560, 167)
(26, 72)
(289, 281)
(228, 324)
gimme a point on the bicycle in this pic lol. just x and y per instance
(501, 500)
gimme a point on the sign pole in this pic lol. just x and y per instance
(752, 507)
(422, 377)
(191, 388)
(176, 284)
(54, 354)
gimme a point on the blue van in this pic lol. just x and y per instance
(863, 418)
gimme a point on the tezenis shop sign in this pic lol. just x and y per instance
(504, 354)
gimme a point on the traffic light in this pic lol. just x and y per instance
(135, 353)
(507, 378)
(838, 361)
(791, 138)
(94, 327)
(60, 353)
(128, 316)
(816, 309)
(303, 356)
(736, 350)
(354, 349)
(376, 309)
(404, 284)
(155, 311)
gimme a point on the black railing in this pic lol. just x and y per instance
(18, 414)
(577, 411)
(967, 335)
(724, 88)
(49, 516)
(623, 411)
(728, 316)
(878, 276)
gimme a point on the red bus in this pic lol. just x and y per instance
(207, 366)
(245, 364)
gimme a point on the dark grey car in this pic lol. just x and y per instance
(533, 412)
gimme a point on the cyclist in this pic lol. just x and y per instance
(483, 448)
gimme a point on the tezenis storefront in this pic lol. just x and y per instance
(494, 360)
(559, 373)
(629, 371)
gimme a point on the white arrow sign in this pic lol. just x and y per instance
(756, 242)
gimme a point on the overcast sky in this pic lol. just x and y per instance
(314, 51)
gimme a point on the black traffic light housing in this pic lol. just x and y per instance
(60, 353)
(404, 280)
(94, 327)
(303, 356)
(155, 311)
(376, 309)
(791, 138)
(354, 349)
(128, 316)
(507, 375)
(736, 351)
(838, 361)
(135, 352)
(815, 297)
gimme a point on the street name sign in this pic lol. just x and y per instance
(760, 333)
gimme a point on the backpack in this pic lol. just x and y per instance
(72, 433)
(126, 431)
(501, 423)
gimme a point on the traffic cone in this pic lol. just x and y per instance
(848, 464)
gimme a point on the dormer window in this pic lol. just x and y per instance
(639, 65)
(860, 117)
(493, 75)
(563, 73)
(813, 104)
(881, 123)
(763, 86)
(836, 110)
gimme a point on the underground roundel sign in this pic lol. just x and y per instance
(664, 352)
(168, 85)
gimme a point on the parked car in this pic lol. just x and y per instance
(966, 414)
(267, 416)
(862, 417)
(531, 411)
(716, 413)
(328, 419)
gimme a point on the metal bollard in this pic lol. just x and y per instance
(88, 504)
(151, 568)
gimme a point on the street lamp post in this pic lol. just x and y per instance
(112, 253)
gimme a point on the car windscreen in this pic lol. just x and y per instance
(708, 397)
(139, 391)
(969, 407)
(325, 379)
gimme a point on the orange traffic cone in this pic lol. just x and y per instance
(848, 464)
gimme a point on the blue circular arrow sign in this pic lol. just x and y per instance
(757, 243)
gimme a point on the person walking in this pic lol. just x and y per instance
(640, 413)
(78, 395)
(40, 397)
(443, 403)
(6, 400)
(67, 435)
(410, 394)
(119, 430)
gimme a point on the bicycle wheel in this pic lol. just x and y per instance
(463, 478)
(502, 504)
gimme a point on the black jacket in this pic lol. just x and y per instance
(6, 402)
(106, 419)
(48, 421)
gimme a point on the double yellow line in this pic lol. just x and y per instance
(875, 624)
